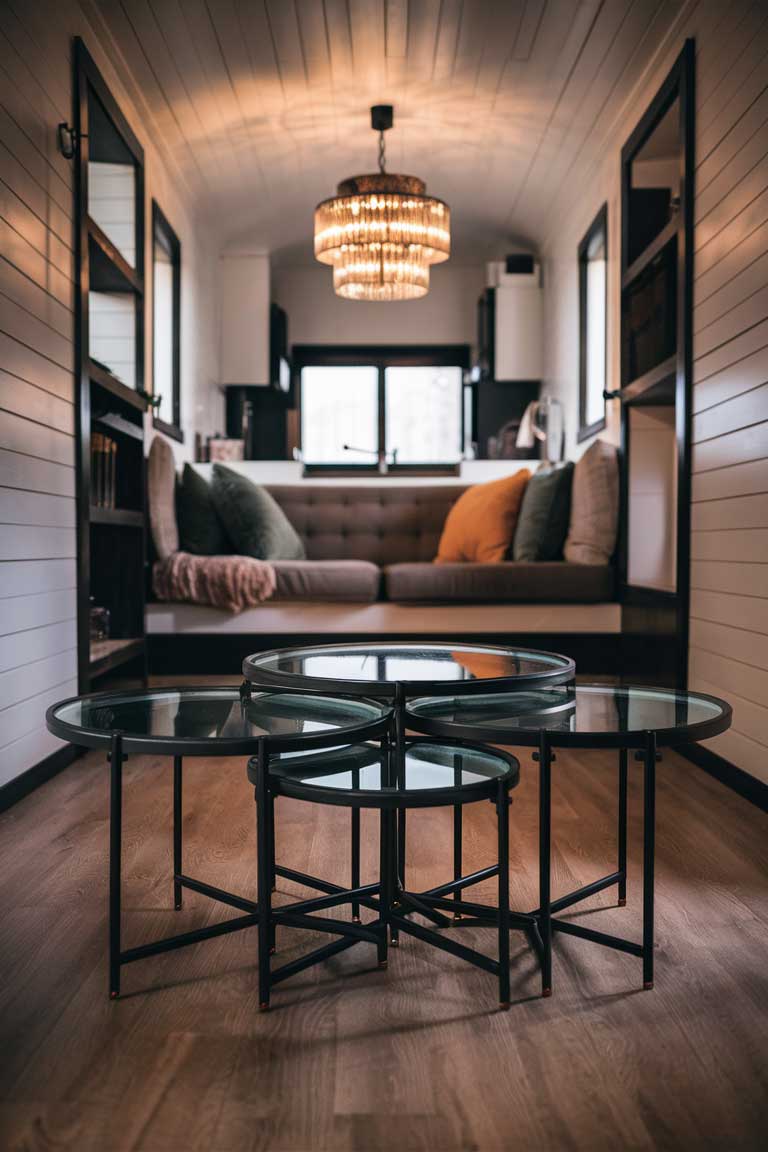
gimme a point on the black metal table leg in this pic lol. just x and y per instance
(544, 757)
(622, 828)
(177, 832)
(263, 835)
(355, 853)
(649, 852)
(272, 844)
(457, 851)
(458, 826)
(385, 883)
(115, 853)
(502, 816)
(398, 816)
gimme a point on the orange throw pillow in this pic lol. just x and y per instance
(480, 526)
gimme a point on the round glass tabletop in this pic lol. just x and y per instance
(377, 669)
(431, 772)
(213, 721)
(590, 716)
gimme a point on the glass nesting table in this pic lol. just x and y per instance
(431, 774)
(630, 719)
(304, 711)
(181, 722)
(396, 671)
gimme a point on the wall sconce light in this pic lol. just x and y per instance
(68, 139)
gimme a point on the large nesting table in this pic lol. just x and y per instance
(631, 719)
(181, 722)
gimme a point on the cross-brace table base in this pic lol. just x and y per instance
(443, 905)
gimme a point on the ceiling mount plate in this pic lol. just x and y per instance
(382, 117)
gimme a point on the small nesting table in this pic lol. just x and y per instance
(630, 719)
(430, 774)
(181, 722)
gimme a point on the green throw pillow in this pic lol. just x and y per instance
(256, 524)
(200, 529)
(543, 522)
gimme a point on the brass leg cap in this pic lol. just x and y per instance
(356, 920)
(457, 916)
(647, 985)
(622, 901)
(546, 992)
(264, 1007)
(382, 963)
(272, 950)
(504, 1005)
(114, 995)
(394, 943)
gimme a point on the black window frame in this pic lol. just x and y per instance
(380, 356)
(599, 226)
(165, 235)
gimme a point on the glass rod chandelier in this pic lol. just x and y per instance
(381, 232)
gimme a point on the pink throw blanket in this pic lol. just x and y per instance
(228, 582)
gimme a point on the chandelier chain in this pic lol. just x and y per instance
(382, 148)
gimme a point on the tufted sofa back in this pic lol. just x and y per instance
(384, 523)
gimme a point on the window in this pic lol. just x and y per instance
(593, 325)
(339, 414)
(166, 317)
(382, 409)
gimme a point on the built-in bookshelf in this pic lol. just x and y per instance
(656, 380)
(111, 401)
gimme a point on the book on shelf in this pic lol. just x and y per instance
(103, 470)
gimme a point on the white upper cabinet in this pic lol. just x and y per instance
(519, 351)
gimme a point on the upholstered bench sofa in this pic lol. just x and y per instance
(369, 544)
(369, 572)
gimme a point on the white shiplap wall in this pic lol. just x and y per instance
(37, 447)
(729, 542)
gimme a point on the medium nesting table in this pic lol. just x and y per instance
(396, 671)
(630, 719)
(181, 722)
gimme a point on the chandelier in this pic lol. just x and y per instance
(381, 232)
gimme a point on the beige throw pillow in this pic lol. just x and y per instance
(594, 506)
(161, 482)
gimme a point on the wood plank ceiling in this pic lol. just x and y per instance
(264, 105)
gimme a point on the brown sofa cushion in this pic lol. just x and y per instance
(340, 580)
(553, 581)
(382, 523)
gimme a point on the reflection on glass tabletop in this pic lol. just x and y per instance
(383, 665)
(572, 713)
(363, 767)
(200, 714)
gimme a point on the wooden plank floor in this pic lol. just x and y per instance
(415, 1057)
